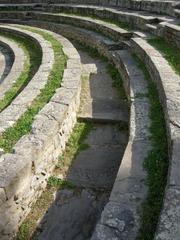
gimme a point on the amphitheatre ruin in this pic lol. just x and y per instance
(89, 120)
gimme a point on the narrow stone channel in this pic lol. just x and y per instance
(75, 212)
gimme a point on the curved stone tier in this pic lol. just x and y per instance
(168, 85)
(20, 104)
(24, 173)
(156, 6)
(14, 64)
(108, 29)
(137, 19)
(164, 26)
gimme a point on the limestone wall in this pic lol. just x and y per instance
(24, 172)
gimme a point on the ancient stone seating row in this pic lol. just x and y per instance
(133, 18)
(161, 7)
(163, 26)
(168, 84)
(24, 173)
(13, 64)
(111, 30)
(20, 104)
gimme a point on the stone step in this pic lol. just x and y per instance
(104, 110)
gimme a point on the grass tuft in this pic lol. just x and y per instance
(58, 183)
(23, 230)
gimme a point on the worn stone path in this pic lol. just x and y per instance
(74, 213)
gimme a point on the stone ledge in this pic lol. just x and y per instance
(24, 173)
(83, 36)
(167, 82)
(110, 30)
(135, 19)
(143, 5)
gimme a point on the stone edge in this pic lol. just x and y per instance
(167, 82)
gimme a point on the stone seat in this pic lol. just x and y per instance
(134, 18)
(168, 85)
(161, 7)
(108, 29)
(90, 38)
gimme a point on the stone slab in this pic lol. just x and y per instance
(96, 167)
(106, 135)
(104, 110)
(72, 216)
